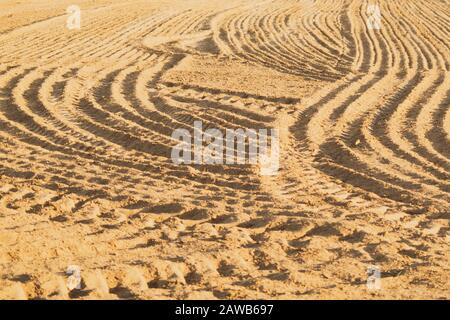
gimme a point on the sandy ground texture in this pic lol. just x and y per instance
(86, 179)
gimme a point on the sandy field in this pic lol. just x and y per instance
(87, 179)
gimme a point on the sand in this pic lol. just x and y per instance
(86, 179)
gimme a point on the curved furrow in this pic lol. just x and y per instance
(403, 121)
(95, 29)
(76, 41)
(31, 132)
(42, 167)
(392, 160)
(336, 151)
(436, 19)
(262, 50)
(285, 34)
(320, 38)
(321, 22)
(412, 36)
(29, 116)
(406, 59)
(123, 39)
(351, 158)
(202, 23)
(424, 122)
(137, 95)
(140, 90)
(24, 128)
(349, 95)
(172, 20)
(436, 133)
(84, 49)
(110, 128)
(324, 54)
(440, 61)
(446, 124)
(351, 171)
(267, 21)
(117, 98)
(81, 41)
(30, 129)
(369, 47)
(440, 13)
(438, 9)
(74, 129)
(356, 33)
(337, 160)
(102, 94)
(414, 49)
(56, 94)
(386, 48)
(441, 39)
(176, 25)
(373, 158)
(192, 21)
(108, 46)
(101, 112)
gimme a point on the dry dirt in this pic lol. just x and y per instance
(86, 179)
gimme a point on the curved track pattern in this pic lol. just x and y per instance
(86, 119)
